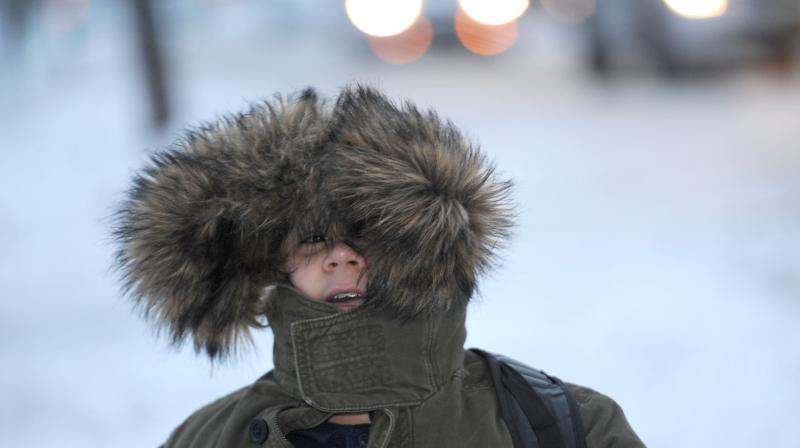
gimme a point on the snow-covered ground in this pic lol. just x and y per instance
(657, 257)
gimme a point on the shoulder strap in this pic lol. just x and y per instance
(537, 408)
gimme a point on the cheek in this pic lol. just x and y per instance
(306, 275)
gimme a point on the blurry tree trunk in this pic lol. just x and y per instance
(152, 61)
(14, 15)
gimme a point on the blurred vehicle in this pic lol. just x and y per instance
(621, 30)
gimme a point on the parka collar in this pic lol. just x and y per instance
(359, 361)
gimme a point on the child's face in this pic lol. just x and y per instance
(336, 275)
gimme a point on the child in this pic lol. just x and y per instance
(358, 229)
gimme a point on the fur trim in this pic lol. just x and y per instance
(433, 213)
(202, 230)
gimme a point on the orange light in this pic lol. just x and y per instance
(485, 40)
(570, 11)
(405, 47)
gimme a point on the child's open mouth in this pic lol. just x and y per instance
(347, 300)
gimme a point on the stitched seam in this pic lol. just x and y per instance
(389, 429)
(475, 387)
(272, 423)
(428, 361)
(410, 418)
(373, 407)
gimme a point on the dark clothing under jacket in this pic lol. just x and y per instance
(329, 435)
(421, 387)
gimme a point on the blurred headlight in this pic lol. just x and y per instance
(383, 17)
(493, 12)
(698, 9)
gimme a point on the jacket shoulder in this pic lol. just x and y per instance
(225, 421)
(604, 422)
(601, 419)
(197, 429)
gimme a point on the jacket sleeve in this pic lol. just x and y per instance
(604, 423)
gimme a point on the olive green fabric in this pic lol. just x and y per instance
(421, 387)
(355, 361)
(604, 423)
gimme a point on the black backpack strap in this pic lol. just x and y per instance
(505, 402)
(537, 408)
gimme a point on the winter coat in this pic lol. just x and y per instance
(204, 231)
(421, 387)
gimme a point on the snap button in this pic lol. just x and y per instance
(259, 431)
(363, 438)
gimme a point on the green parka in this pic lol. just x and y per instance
(421, 387)
(206, 226)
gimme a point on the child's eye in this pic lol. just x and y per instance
(313, 239)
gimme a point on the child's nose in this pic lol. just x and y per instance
(343, 255)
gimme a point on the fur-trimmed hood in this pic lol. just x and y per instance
(201, 233)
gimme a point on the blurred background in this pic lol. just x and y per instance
(653, 144)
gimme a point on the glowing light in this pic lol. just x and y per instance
(383, 17)
(66, 15)
(484, 39)
(698, 9)
(494, 12)
(570, 11)
(405, 47)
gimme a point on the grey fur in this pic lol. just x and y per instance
(202, 230)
